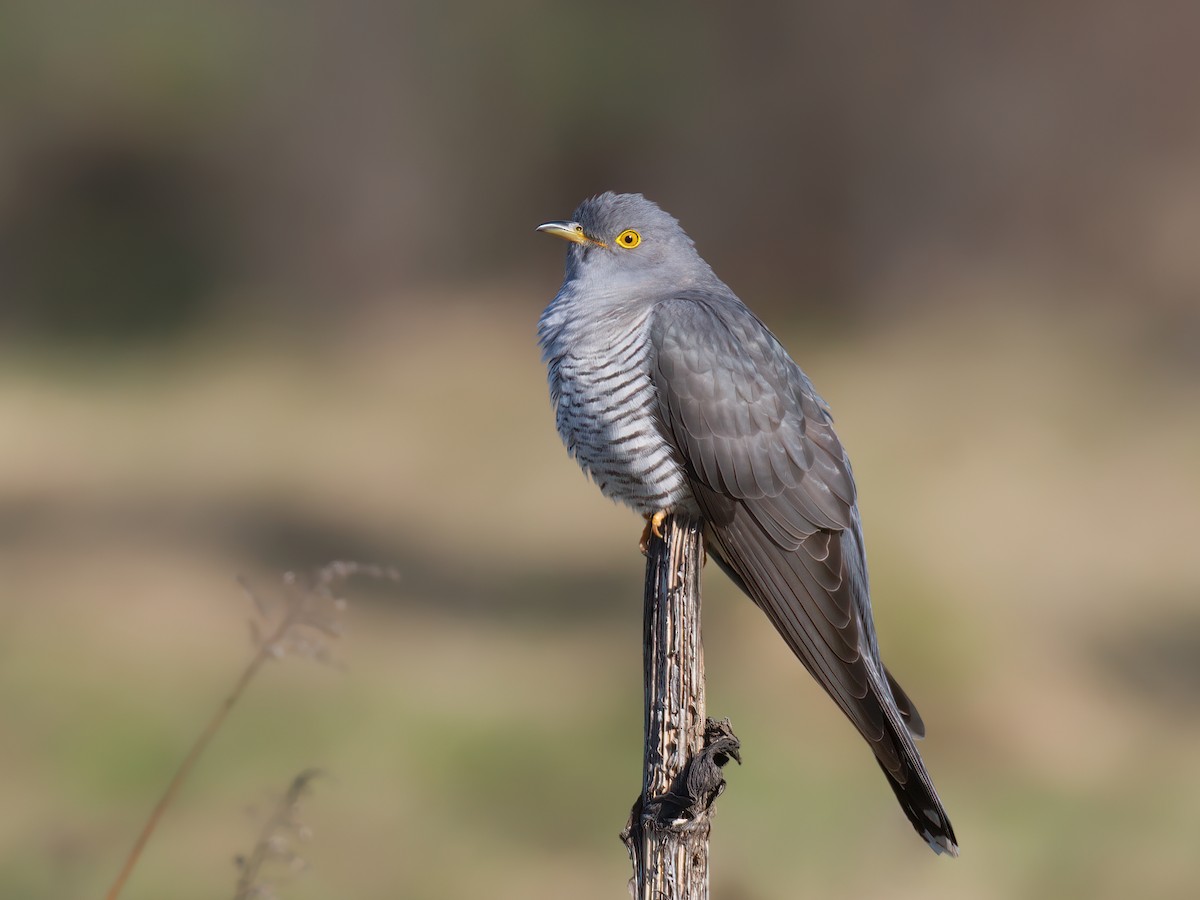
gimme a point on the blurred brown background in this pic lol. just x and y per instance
(268, 285)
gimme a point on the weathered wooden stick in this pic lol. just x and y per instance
(668, 829)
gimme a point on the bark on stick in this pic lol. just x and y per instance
(668, 830)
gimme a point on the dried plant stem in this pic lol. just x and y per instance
(266, 650)
(282, 820)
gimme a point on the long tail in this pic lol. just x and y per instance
(781, 583)
(913, 786)
(925, 811)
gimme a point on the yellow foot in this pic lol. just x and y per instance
(654, 525)
(656, 522)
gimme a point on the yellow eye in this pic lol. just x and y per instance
(628, 239)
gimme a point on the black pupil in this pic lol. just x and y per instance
(629, 238)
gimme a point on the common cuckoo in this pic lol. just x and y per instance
(674, 397)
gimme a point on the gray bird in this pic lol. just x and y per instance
(674, 397)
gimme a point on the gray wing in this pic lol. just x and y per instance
(777, 493)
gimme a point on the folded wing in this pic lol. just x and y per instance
(777, 493)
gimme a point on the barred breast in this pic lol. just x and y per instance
(606, 409)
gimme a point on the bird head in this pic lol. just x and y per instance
(625, 240)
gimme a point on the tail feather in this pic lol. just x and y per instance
(908, 709)
(883, 714)
(910, 780)
(924, 810)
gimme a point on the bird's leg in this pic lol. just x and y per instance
(654, 523)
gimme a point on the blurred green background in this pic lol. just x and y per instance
(268, 286)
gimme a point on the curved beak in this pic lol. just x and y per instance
(568, 231)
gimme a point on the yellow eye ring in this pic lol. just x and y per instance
(628, 239)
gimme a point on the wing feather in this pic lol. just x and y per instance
(777, 493)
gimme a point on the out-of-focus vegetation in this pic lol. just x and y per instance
(267, 289)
